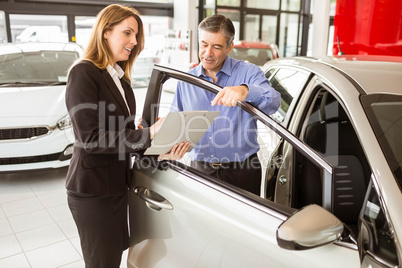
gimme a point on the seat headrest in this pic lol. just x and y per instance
(331, 109)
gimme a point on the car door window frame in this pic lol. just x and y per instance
(373, 208)
(296, 95)
(161, 74)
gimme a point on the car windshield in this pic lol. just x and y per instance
(36, 67)
(385, 114)
(258, 56)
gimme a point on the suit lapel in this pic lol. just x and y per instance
(130, 101)
(130, 98)
(115, 92)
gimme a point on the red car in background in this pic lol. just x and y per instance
(255, 52)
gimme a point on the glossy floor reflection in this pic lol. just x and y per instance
(36, 226)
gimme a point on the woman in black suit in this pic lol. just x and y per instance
(102, 108)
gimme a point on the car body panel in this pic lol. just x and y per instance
(31, 103)
(210, 229)
(43, 100)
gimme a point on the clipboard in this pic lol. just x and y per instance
(181, 127)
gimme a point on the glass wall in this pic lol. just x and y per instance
(83, 27)
(271, 4)
(234, 15)
(276, 21)
(291, 5)
(38, 28)
(289, 29)
(269, 28)
(251, 27)
(232, 3)
(3, 35)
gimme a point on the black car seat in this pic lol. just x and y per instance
(334, 138)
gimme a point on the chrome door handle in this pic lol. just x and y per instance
(153, 200)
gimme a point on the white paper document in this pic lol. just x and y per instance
(181, 127)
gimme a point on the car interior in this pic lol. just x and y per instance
(329, 132)
(341, 148)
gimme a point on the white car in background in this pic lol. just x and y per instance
(35, 130)
(332, 191)
(42, 34)
(143, 65)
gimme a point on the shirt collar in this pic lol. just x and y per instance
(115, 70)
(226, 68)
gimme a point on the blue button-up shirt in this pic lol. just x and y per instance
(233, 135)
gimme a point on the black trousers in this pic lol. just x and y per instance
(245, 175)
(102, 225)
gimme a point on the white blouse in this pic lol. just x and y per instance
(117, 73)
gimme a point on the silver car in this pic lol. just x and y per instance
(35, 130)
(331, 186)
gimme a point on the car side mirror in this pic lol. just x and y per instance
(310, 227)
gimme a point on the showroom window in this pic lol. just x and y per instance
(42, 28)
(289, 33)
(233, 3)
(291, 5)
(234, 16)
(263, 4)
(83, 27)
(3, 36)
(268, 31)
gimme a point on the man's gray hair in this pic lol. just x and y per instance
(218, 23)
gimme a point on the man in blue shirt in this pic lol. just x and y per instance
(228, 150)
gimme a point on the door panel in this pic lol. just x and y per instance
(211, 226)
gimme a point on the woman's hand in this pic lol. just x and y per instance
(177, 152)
(139, 124)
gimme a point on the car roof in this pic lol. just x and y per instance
(375, 74)
(10, 48)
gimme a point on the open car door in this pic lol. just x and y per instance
(180, 217)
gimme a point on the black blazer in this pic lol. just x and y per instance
(105, 133)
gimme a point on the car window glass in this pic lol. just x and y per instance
(381, 239)
(288, 82)
(384, 112)
(267, 139)
(258, 56)
(166, 99)
(42, 66)
(269, 72)
(165, 105)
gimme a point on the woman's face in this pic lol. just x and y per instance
(122, 39)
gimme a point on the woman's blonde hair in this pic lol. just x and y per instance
(98, 51)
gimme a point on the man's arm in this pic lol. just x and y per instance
(256, 89)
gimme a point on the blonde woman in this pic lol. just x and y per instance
(102, 108)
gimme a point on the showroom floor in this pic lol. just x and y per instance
(36, 226)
